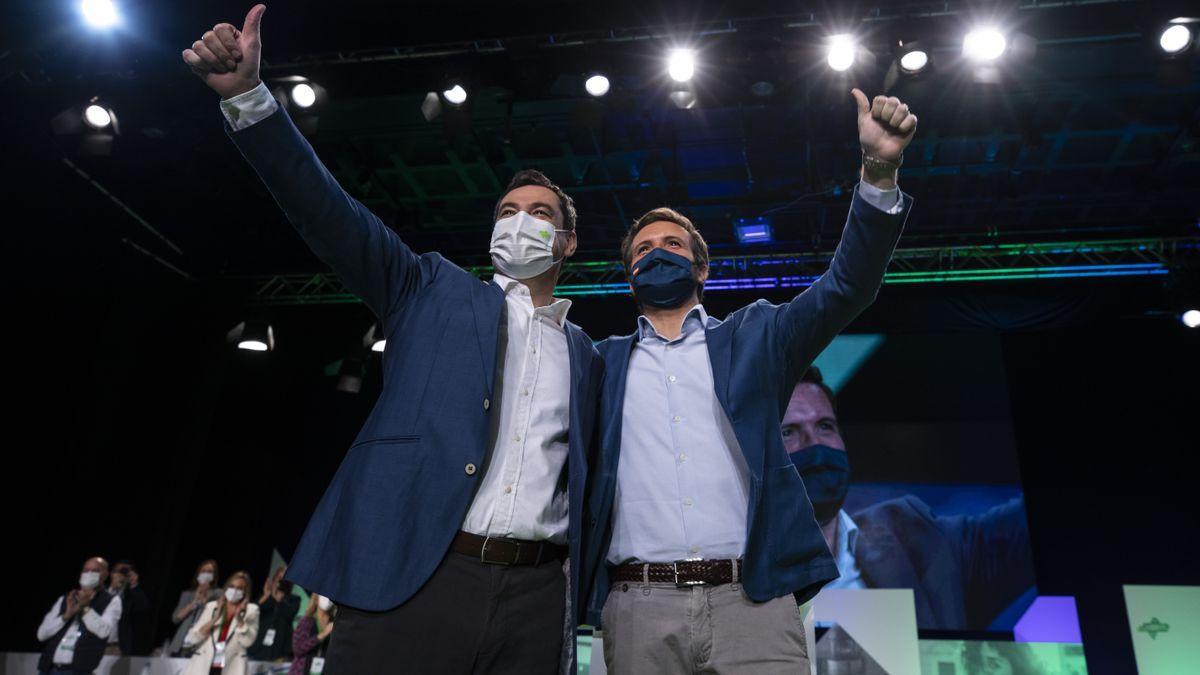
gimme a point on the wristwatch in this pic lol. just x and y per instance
(873, 163)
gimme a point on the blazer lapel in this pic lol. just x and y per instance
(616, 369)
(720, 353)
(487, 301)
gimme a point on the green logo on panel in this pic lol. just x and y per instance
(1153, 627)
(544, 234)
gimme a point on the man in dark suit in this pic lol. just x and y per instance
(963, 570)
(700, 536)
(443, 535)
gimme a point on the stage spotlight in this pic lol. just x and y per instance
(684, 99)
(1191, 318)
(374, 339)
(596, 85)
(914, 61)
(304, 95)
(984, 44)
(681, 65)
(840, 52)
(1175, 38)
(97, 117)
(99, 13)
(252, 336)
(455, 96)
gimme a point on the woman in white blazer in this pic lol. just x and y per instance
(224, 631)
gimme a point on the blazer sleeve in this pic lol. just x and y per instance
(193, 636)
(996, 555)
(807, 324)
(247, 631)
(366, 255)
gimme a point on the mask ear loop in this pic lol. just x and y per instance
(560, 259)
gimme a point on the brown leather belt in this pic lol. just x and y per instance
(681, 572)
(502, 551)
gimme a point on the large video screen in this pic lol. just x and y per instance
(908, 452)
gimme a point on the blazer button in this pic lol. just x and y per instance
(487, 403)
(470, 469)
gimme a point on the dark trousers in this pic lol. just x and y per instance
(468, 618)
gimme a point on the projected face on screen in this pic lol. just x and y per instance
(919, 426)
(810, 420)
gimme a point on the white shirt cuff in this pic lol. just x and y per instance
(250, 107)
(888, 201)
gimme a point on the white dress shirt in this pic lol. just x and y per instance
(100, 625)
(522, 494)
(845, 546)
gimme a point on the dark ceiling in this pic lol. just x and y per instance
(1093, 137)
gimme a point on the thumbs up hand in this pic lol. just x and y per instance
(226, 58)
(885, 126)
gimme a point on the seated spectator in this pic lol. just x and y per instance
(123, 583)
(77, 627)
(225, 630)
(191, 602)
(277, 610)
(312, 636)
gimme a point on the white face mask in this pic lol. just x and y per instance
(523, 246)
(234, 594)
(324, 603)
(204, 577)
(89, 579)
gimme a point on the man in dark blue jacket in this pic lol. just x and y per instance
(701, 540)
(964, 570)
(443, 535)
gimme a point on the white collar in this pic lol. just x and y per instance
(556, 310)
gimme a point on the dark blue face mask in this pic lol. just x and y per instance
(826, 475)
(662, 279)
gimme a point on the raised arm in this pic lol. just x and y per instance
(878, 210)
(367, 255)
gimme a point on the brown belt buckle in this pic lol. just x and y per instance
(685, 584)
(483, 554)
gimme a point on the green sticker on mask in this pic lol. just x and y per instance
(545, 234)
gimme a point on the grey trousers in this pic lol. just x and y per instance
(701, 630)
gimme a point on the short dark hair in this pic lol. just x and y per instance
(534, 177)
(813, 376)
(663, 213)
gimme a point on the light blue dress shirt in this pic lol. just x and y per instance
(682, 483)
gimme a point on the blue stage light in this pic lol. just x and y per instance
(753, 230)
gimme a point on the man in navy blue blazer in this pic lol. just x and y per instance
(701, 540)
(964, 570)
(446, 532)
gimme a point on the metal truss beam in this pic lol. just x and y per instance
(1046, 261)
